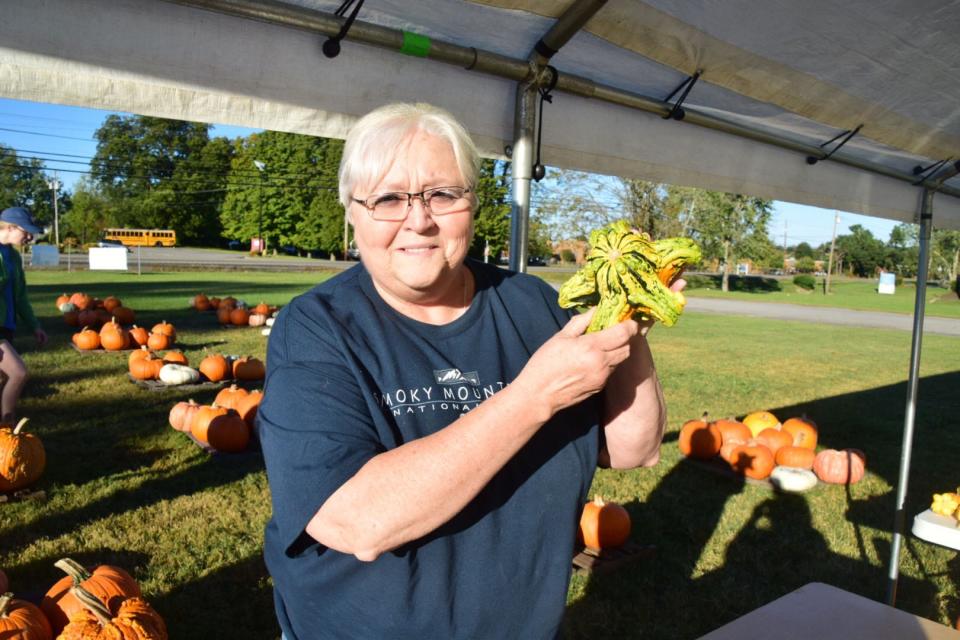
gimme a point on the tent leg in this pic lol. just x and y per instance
(525, 120)
(906, 450)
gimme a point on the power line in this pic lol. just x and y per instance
(45, 135)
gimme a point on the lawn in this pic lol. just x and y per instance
(124, 488)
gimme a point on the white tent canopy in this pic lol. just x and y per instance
(803, 72)
(845, 104)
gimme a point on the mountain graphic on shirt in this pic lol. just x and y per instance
(455, 376)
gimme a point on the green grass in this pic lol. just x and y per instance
(123, 488)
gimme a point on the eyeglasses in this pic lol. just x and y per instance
(394, 206)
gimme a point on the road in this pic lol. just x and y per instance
(212, 258)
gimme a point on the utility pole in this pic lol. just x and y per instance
(833, 242)
(784, 246)
(55, 186)
(261, 245)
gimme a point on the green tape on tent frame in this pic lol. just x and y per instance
(415, 45)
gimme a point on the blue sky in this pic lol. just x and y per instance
(43, 130)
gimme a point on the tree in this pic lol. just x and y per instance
(87, 215)
(727, 226)
(803, 250)
(945, 254)
(491, 222)
(862, 252)
(23, 183)
(160, 173)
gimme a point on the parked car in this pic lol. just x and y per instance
(112, 244)
(536, 261)
(353, 253)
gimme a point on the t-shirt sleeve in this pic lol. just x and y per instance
(314, 424)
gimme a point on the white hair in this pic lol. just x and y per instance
(371, 145)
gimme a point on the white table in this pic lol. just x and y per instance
(938, 529)
(818, 611)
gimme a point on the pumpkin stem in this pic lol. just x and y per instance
(705, 416)
(16, 429)
(73, 569)
(4, 603)
(92, 603)
(598, 500)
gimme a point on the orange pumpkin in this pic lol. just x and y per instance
(81, 300)
(248, 368)
(263, 309)
(604, 525)
(175, 357)
(760, 420)
(214, 302)
(214, 367)
(223, 313)
(201, 302)
(22, 457)
(221, 428)
(137, 354)
(228, 301)
(22, 620)
(111, 302)
(110, 585)
(138, 336)
(182, 414)
(729, 445)
(231, 396)
(732, 429)
(166, 329)
(87, 339)
(793, 456)
(247, 407)
(774, 439)
(752, 459)
(146, 368)
(803, 430)
(134, 619)
(62, 299)
(840, 467)
(700, 439)
(239, 317)
(159, 341)
(124, 315)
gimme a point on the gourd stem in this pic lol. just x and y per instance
(73, 569)
(16, 429)
(4, 603)
(92, 603)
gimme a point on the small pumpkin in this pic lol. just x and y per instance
(175, 357)
(134, 619)
(166, 329)
(109, 584)
(111, 302)
(214, 302)
(732, 429)
(604, 525)
(792, 456)
(146, 368)
(803, 430)
(700, 439)
(239, 317)
(114, 337)
(249, 368)
(181, 415)
(840, 467)
(200, 302)
(67, 306)
(729, 446)
(774, 439)
(138, 336)
(231, 396)
(257, 319)
(178, 374)
(752, 459)
(124, 315)
(221, 428)
(792, 479)
(247, 408)
(87, 339)
(22, 620)
(137, 354)
(81, 300)
(263, 309)
(22, 457)
(63, 299)
(159, 341)
(214, 367)
(223, 313)
(228, 301)
(760, 420)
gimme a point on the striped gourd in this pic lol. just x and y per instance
(628, 274)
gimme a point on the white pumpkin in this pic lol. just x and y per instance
(178, 374)
(269, 322)
(67, 306)
(793, 479)
(256, 319)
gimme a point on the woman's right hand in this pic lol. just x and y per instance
(572, 366)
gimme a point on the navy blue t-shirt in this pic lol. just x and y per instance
(348, 378)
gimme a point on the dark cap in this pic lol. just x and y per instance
(22, 218)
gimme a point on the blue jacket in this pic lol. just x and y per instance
(16, 279)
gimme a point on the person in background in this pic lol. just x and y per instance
(16, 228)
(431, 424)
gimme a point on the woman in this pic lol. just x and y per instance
(431, 424)
(16, 228)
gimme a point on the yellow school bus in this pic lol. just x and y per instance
(142, 237)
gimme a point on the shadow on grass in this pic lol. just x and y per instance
(778, 549)
(192, 611)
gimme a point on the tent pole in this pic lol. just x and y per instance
(906, 449)
(524, 124)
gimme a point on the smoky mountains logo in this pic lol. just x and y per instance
(455, 376)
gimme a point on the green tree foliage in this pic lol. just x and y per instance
(294, 197)
(491, 222)
(728, 227)
(160, 173)
(862, 252)
(24, 183)
(804, 250)
(90, 211)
